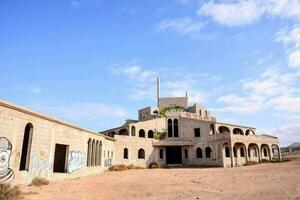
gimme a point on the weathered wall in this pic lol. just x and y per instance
(47, 132)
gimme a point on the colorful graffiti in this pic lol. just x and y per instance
(75, 161)
(6, 174)
(107, 163)
(40, 166)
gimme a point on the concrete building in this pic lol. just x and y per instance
(173, 133)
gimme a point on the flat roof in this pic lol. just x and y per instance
(52, 119)
(235, 125)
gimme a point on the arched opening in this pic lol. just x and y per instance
(100, 153)
(125, 153)
(234, 152)
(141, 154)
(142, 133)
(133, 131)
(111, 134)
(250, 132)
(208, 152)
(150, 134)
(199, 152)
(238, 131)
(26, 147)
(227, 152)
(253, 152)
(123, 131)
(186, 154)
(93, 153)
(242, 152)
(265, 152)
(89, 149)
(96, 153)
(275, 151)
(175, 127)
(224, 129)
(170, 128)
(212, 129)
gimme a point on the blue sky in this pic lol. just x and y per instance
(94, 62)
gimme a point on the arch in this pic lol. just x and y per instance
(253, 151)
(100, 153)
(175, 123)
(124, 131)
(265, 152)
(250, 132)
(275, 151)
(199, 152)
(88, 158)
(224, 129)
(96, 153)
(150, 134)
(141, 154)
(211, 129)
(111, 134)
(186, 154)
(93, 153)
(125, 153)
(208, 152)
(141, 133)
(227, 152)
(238, 131)
(170, 128)
(242, 151)
(133, 131)
(26, 147)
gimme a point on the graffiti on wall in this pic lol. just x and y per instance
(6, 174)
(75, 161)
(40, 166)
(107, 163)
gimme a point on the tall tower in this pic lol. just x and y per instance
(158, 91)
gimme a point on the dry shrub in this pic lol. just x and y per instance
(248, 163)
(39, 182)
(9, 193)
(154, 165)
(118, 168)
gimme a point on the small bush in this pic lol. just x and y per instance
(154, 165)
(250, 163)
(39, 182)
(9, 193)
(118, 168)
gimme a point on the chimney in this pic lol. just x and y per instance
(158, 91)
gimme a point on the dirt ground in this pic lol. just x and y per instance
(264, 181)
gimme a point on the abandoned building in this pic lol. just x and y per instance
(172, 133)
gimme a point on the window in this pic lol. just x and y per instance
(186, 154)
(133, 131)
(208, 152)
(227, 152)
(234, 152)
(197, 132)
(142, 133)
(170, 128)
(150, 134)
(175, 127)
(265, 152)
(88, 158)
(161, 154)
(107, 154)
(199, 152)
(141, 154)
(242, 152)
(26, 147)
(125, 153)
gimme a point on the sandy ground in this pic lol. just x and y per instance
(265, 181)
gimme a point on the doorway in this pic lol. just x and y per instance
(173, 155)
(60, 158)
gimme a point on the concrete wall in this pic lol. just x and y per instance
(46, 133)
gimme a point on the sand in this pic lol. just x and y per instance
(264, 181)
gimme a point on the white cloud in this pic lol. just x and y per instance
(184, 26)
(30, 89)
(244, 12)
(290, 37)
(232, 14)
(287, 134)
(135, 72)
(294, 59)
